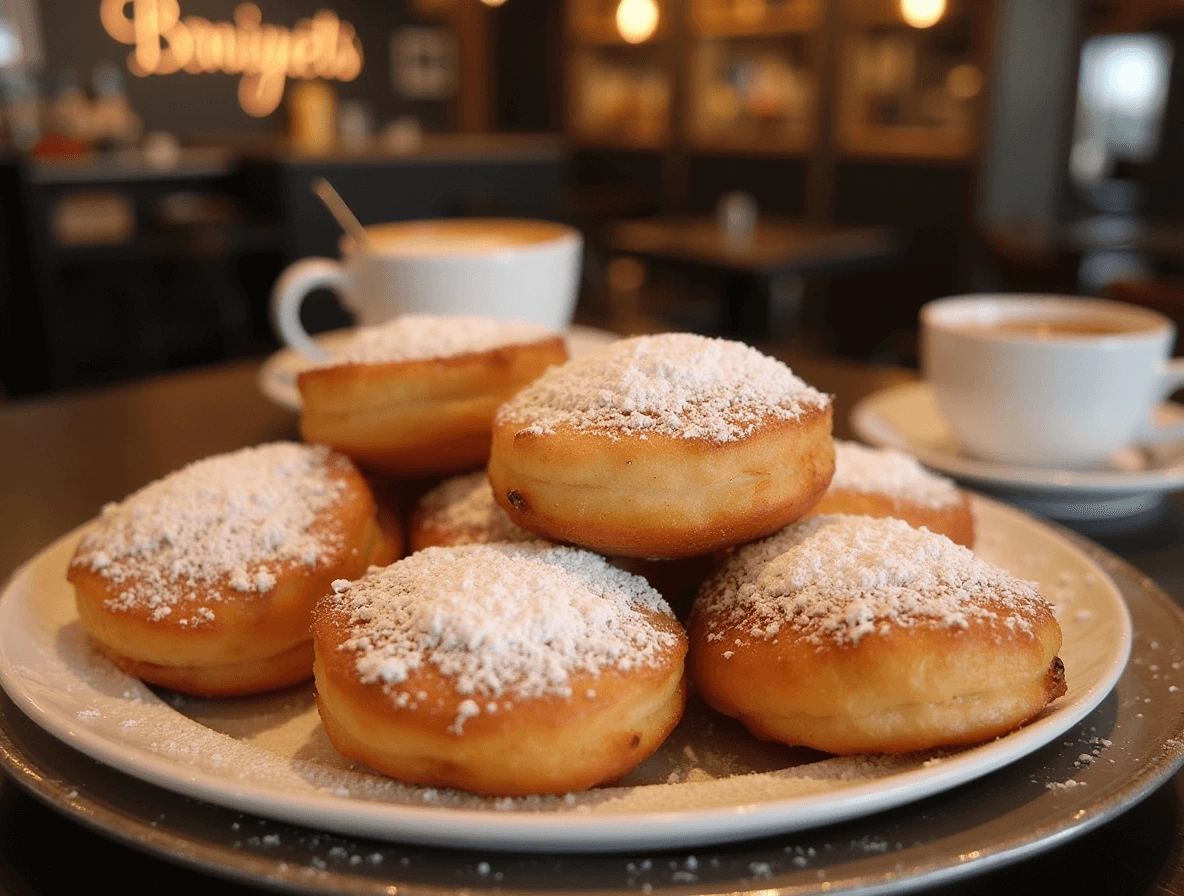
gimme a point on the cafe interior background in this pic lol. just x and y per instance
(158, 157)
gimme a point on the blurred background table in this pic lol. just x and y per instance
(65, 456)
(750, 263)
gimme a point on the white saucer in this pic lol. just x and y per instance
(277, 375)
(1132, 482)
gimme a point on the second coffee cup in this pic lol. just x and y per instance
(1049, 381)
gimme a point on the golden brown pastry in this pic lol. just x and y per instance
(852, 634)
(885, 482)
(204, 581)
(415, 396)
(661, 447)
(461, 510)
(500, 669)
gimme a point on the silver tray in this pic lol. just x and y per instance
(1137, 733)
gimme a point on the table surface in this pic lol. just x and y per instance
(1159, 239)
(777, 246)
(64, 457)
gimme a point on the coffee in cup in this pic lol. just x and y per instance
(494, 267)
(1049, 381)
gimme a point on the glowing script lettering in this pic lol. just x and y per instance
(265, 55)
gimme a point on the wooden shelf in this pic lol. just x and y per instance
(757, 95)
(595, 140)
(912, 144)
(895, 93)
(818, 82)
(713, 23)
(619, 95)
(607, 38)
(747, 147)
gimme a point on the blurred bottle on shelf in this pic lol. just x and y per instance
(161, 150)
(754, 91)
(623, 97)
(114, 124)
(22, 109)
(312, 117)
(737, 213)
(69, 111)
(66, 120)
(403, 135)
(355, 126)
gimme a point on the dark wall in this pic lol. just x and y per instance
(778, 185)
(1165, 180)
(874, 314)
(528, 48)
(184, 103)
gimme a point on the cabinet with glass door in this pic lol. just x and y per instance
(910, 78)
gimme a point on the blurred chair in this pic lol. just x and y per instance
(1165, 295)
(1029, 257)
(592, 209)
(206, 229)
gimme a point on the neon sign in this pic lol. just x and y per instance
(265, 55)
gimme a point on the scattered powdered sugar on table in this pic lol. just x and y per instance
(499, 621)
(225, 524)
(674, 384)
(886, 471)
(837, 578)
(464, 506)
(420, 337)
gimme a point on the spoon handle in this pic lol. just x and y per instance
(340, 211)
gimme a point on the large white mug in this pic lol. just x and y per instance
(494, 267)
(1050, 381)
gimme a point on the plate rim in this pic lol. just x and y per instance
(1068, 484)
(594, 833)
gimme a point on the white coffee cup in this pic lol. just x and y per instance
(494, 267)
(1049, 381)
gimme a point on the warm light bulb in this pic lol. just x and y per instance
(494, 3)
(637, 20)
(922, 13)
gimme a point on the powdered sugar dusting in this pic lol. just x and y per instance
(227, 524)
(674, 384)
(886, 471)
(419, 337)
(500, 621)
(835, 579)
(464, 507)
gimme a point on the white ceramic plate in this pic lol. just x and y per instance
(277, 375)
(710, 783)
(1131, 482)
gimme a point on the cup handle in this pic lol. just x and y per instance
(289, 292)
(1171, 379)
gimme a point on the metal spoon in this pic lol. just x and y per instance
(340, 211)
